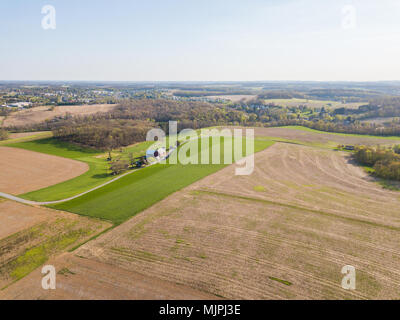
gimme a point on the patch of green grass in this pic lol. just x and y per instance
(38, 255)
(390, 185)
(386, 184)
(181, 241)
(133, 193)
(287, 283)
(65, 271)
(259, 188)
(37, 136)
(55, 147)
(137, 149)
(97, 174)
(29, 261)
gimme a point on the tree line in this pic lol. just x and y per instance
(384, 161)
(197, 114)
(129, 122)
(104, 134)
(3, 134)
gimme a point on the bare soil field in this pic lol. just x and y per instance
(29, 236)
(25, 171)
(42, 113)
(284, 232)
(15, 217)
(234, 97)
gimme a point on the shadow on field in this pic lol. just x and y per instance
(100, 176)
(66, 145)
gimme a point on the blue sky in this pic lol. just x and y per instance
(200, 40)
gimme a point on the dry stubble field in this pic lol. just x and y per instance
(29, 236)
(314, 137)
(285, 232)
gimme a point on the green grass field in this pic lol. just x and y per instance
(97, 174)
(40, 135)
(121, 200)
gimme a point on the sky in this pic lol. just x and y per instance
(201, 40)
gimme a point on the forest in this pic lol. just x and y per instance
(384, 161)
(196, 114)
(130, 121)
(104, 134)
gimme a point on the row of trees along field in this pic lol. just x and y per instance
(385, 162)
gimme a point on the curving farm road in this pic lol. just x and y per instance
(18, 199)
(38, 203)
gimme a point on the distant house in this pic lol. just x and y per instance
(19, 105)
(162, 152)
(158, 154)
(150, 153)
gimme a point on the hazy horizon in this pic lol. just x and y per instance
(207, 41)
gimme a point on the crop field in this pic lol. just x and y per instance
(81, 278)
(30, 236)
(97, 173)
(363, 138)
(283, 232)
(133, 193)
(317, 138)
(314, 103)
(42, 113)
(26, 136)
(233, 97)
(26, 171)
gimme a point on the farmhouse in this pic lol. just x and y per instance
(158, 154)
